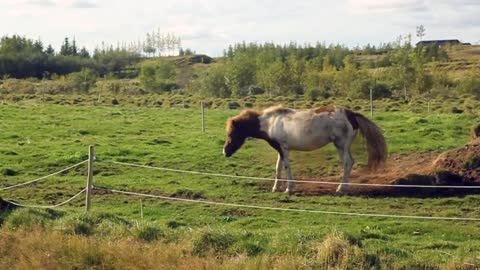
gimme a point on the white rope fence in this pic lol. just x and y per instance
(285, 180)
(43, 177)
(288, 209)
(48, 206)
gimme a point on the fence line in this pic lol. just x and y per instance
(287, 209)
(285, 180)
(48, 206)
(43, 177)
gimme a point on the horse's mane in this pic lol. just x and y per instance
(245, 116)
(277, 110)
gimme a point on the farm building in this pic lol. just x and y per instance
(441, 42)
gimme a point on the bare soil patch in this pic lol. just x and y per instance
(459, 167)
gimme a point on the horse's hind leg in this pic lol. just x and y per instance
(276, 185)
(343, 148)
(288, 168)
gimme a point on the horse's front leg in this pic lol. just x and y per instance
(278, 175)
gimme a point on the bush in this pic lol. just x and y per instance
(149, 232)
(312, 94)
(86, 223)
(83, 80)
(28, 218)
(213, 84)
(158, 76)
(217, 242)
(233, 105)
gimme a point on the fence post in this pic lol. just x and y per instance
(371, 102)
(203, 116)
(91, 156)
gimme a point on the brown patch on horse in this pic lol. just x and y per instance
(352, 118)
(328, 108)
(247, 124)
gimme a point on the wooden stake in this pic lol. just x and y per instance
(91, 157)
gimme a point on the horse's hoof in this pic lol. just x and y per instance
(288, 191)
(341, 189)
(275, 189)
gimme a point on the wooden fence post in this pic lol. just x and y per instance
(203, 116)
(91, 157)
(371, 102)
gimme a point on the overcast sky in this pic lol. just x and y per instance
(209, 26)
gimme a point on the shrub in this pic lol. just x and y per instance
(149, 232)
(28, 218)
(214, 241)
(233, 105)
(158, 76)
(86, 223)
(312, 94)
(83, 80)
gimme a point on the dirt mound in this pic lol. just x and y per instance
(460, 166)
(463, 161)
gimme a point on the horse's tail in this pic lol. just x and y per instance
(376, 146)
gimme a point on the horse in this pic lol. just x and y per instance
(287, 129)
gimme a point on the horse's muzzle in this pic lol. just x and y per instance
(226, 153)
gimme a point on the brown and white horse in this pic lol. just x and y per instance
(305, 130)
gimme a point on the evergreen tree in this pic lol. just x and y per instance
(65, 49)
(84, 53)
(73, 50)
(50, 50)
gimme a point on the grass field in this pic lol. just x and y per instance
(36, 140)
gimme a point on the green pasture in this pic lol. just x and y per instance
(36, 140)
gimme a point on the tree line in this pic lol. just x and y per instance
(395, 68)
(21, 57)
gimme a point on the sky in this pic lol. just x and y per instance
(209, 26)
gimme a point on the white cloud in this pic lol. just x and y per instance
(389, 6)
(210, 25)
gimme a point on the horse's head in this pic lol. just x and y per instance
(235, 137)
(244, 125)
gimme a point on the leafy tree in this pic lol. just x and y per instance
(471, 84)
(420, 31)
(214, 84)
(273, 78)
(158, 76)
(240, 74)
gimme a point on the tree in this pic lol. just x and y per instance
(65, 49)
(214, 83)
(50, 51)
(73, 49)
(149, 46)
(158, 76)
(273, 78)
(84, 53)
(240, 73)
(420, 31)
